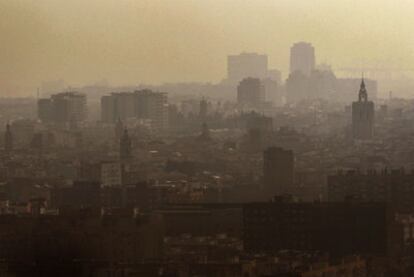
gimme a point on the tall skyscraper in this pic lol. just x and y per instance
(278, 171)
(363, 115)
(63, 107)
(297, 87)
(141, 104)
(250, 93)
(246, 65)
(153, 106)
(120, 105)
(302, 58)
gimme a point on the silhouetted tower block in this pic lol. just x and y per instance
(363, 115)
(125, 147)
(250, 93)
(119, 127)
(8, 139)
(302, 58)
(278, 170)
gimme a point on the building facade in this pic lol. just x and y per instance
(250, 93)
(141, 105)
(246, 65)
(63, 108)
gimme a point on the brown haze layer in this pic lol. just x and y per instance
(131, 42)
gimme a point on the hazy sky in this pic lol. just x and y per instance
(131, 42)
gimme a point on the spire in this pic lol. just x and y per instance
(363, 95)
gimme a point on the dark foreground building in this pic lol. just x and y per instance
(202, 219)
(337, 228)
(77, 243)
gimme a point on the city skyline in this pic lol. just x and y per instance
(85, 42)
(215, 138)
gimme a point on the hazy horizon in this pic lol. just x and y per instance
(133, 42)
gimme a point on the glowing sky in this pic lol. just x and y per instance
(131, 42)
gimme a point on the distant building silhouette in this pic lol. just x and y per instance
(302, 58)
(278, 170)
(63, 107)
(273, 91)
(8, 139)
(142, 104)
(246, 65)
(363, 115)
(125, 147)
(250, 93)
(297, 87)
(120, 105)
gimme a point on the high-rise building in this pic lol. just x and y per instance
(154, 107)
(250, 93)
(8, 139)
(302, 58)
(363, 115)
(273, 91)
(246, 65)
(143, 104)
(63, 107)
(278, 171)
(297, 87)
(120, 105)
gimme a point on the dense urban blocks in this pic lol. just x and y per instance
(340, 228)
